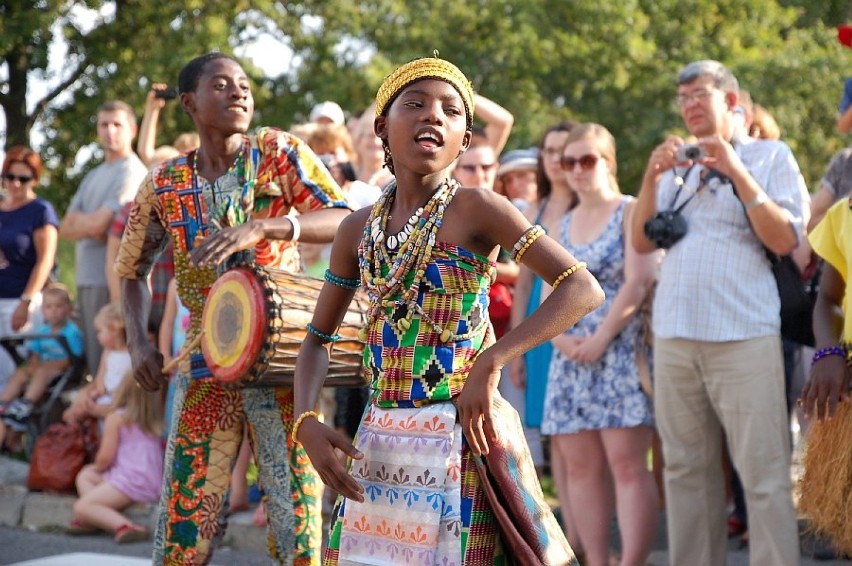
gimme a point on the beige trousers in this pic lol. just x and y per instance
(701, 390)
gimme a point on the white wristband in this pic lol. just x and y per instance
(297, 228)
(758, 200)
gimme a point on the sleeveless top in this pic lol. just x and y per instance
(606, 393)
(413, 368)
(137, 470)
(537, 360)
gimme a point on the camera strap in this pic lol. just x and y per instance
(680, 181)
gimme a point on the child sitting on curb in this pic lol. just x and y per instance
(128, 467)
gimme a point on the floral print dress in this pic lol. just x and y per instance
(606, 393)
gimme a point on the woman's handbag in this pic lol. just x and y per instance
(528, 528)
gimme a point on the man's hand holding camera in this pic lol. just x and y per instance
(663, 158)
(713, 151)
(720, 155)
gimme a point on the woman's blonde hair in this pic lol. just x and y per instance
(141, 407)
(326, 138)
(764, 126)
(605, 143)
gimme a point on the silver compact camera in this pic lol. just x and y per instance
(689, 152)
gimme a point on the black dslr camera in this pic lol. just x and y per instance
(666, 228)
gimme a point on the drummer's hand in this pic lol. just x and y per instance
(474, 404)
(828, 384)
(214, 249)
(147, 365)
(320, 441)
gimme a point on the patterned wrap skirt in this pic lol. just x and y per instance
(424, 503)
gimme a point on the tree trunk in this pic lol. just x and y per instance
(18, 122)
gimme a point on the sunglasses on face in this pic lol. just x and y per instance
(472, 167)
(11, 177)
(587, 162)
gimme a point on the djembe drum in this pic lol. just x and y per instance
(254, 322)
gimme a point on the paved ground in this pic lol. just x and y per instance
(30, 535)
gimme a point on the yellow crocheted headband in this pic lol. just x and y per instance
(425, 68)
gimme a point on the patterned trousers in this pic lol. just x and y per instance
(206, 431)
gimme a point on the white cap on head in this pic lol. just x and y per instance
(328, 111)
(518, 160)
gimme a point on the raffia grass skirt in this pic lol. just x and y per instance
(826, 485)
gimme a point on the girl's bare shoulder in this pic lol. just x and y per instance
(353, 225)
(479, 200)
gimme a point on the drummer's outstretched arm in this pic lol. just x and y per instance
(315, 227)
(312, 364)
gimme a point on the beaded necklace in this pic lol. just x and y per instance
(414, 255)
(394, 240)
(238, 167)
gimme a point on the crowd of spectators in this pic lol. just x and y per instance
(707, 378)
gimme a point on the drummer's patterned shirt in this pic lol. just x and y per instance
(275, 174)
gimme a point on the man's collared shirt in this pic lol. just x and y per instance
(716, 283)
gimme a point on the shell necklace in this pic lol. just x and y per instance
(414, 251)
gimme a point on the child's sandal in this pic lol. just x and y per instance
(129, 532)
(78, 528)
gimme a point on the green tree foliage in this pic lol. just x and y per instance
(609, 61)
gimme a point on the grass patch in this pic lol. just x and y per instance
(549, 490)
(65, 260)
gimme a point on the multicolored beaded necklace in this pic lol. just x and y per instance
(414, 254)
(238, 167)
(230, 199)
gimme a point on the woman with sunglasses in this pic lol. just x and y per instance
(554, 199)
(28, 227)
(598, 416)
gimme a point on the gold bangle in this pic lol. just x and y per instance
(567, 273)
(298, 423)
(526, 240)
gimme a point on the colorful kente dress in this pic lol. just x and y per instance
(275, 173)
(423, 501)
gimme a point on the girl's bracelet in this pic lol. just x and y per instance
(825, 352)
(299, 421)
(326, 338)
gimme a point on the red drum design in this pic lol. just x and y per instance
(254, 322)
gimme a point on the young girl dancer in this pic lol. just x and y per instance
(425, 254)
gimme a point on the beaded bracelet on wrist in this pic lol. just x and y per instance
(299, 421)
(526, 240)
(322, 335)
(826, 352)
(567, 273)
(341, 281)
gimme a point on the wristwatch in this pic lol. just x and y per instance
(26, 299)
(758, 200)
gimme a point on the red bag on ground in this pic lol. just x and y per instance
(59, 454)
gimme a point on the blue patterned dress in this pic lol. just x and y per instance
(606, 393)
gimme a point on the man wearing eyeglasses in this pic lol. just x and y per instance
(717, 360)
(477, 167)
(102, 194)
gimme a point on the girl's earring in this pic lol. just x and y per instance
(388, 157)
